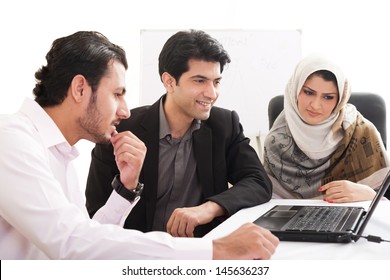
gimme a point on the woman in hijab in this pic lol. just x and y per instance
(320, 146)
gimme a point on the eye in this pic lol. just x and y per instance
(328, 97)
(199, 81)
(308, 92)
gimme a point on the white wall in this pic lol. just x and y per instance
(262, 63)
(354, 33)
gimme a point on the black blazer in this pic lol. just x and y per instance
(222, 154)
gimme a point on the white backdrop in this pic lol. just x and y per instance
(262, 62)
(353, 33)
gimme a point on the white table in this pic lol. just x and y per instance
(378, 225)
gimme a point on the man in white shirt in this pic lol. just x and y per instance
(80, 95)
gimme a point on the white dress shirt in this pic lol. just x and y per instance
(42, 207)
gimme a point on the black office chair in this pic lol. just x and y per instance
(370, 105)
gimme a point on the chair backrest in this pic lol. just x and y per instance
(370, 105)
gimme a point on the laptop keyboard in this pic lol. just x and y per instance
(315, 218)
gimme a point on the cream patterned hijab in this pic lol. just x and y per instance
(323, 138)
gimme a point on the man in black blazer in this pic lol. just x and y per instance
(194, 150)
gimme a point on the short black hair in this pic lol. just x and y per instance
(186, 45)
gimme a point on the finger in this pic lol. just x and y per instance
(271, 237)
(267, 245)
(124, 143)
(190, 229)
(130, 158)
(170, 224)
(323, 188)
(340, 200)
(174, 229)
(128, 142)
(182, 228)
(173, 225)
(130, 145)
(330, 185)
(336, 188)
(264, 252)
(327, 186)
(130, 152)
(337, 197)
(119, 135)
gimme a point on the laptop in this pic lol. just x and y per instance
(332, 224)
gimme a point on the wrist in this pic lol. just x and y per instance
(122, 190)
(214, 209)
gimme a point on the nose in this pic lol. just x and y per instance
(211, 91)
(123, 111)
(316, 103)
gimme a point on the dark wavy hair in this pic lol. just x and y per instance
(326, 75)
(186, 45)
(87, 53)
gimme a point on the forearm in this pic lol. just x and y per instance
(212, 210)
(246, 193)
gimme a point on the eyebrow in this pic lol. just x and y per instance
(326, 93)
(204, 77)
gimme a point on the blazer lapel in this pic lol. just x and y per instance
(203, 155)
(150, 167)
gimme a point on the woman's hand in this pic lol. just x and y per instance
(346, 191)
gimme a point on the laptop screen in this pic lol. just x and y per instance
(374, 203)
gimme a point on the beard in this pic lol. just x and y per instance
(91, 122)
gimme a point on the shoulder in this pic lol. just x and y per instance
(358, 122)
(279, 127)
(366, 127)
(140, 111)
(19, 136)
(222, 116)
(224, 122)
(137, 116)
(16, 125)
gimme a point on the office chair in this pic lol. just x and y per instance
(370, 105)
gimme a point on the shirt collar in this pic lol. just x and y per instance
(164, 126)
(50, 133)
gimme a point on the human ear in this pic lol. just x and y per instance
(168, 81)
(78, 87)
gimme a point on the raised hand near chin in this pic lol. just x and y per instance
(129, 153)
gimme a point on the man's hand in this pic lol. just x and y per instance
(184, 220)
(248, 242)
(129, 154)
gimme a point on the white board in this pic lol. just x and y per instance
(262, 63)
